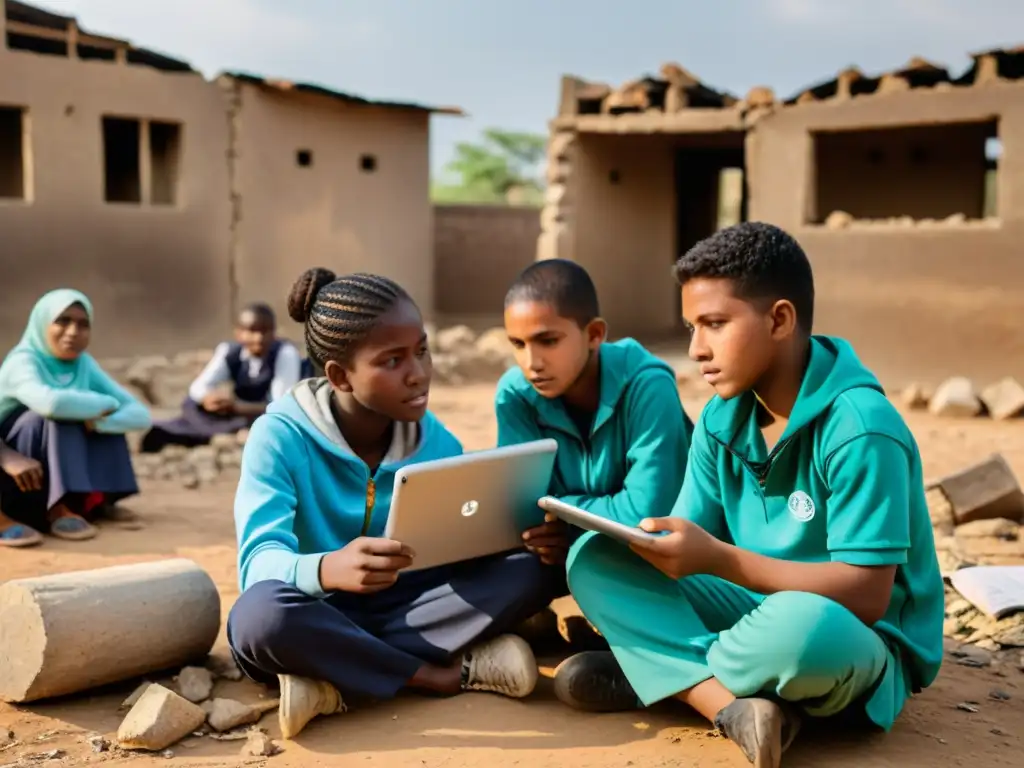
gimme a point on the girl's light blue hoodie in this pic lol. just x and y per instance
(303, 493)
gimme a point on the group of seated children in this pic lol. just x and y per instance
(63, 454)
(796, 576)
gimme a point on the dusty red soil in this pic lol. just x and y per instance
(479, 730)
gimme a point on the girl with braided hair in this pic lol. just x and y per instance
(324, 607)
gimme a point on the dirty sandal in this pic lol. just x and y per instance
(19, 535)
(72, 528)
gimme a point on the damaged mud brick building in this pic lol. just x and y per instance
(906, 189)
(170, 199)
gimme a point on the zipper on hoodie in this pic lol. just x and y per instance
(371, 498)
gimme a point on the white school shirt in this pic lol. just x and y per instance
(287, 371)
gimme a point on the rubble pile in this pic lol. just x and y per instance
(957, 398)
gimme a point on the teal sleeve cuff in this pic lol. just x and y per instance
(870, 557)
(307, 575)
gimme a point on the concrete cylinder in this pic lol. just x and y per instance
(69, 632)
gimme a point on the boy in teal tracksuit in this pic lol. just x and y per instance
(798, 570)
(613, 407)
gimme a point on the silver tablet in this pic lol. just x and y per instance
(472, 505)
(588, 521)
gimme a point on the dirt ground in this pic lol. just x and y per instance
(477, 729)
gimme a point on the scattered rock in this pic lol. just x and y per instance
(838, 220)
(998, 694)
(494, 347)
(167, 754)
(1004, 399)
(7, 738)
(159, 718)
(99, 744)
(195, 684)
(135, 695)
(968, 706)
(224, 668)
(258, 744)
(227, 714)
(955, 398)
(1009, 632)
(455, 339)
(915, 397)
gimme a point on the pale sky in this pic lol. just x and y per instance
(501, 61)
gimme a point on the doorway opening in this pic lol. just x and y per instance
(710, 191)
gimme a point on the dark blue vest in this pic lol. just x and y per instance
(252, 389)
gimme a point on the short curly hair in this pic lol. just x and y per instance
(763, 262)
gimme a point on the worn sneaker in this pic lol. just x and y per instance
(759, 727)
(504, 665)
(302, 700)
(593, 681)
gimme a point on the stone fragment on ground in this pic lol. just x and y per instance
(915, 397)
(159, 719)
(135, 695)
(955, 398)
(195, 684)
(228, 714)
(259, 744)
(1004, 399)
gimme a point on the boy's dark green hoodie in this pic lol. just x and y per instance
(631, 464)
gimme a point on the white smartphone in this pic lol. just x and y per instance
(588, 521)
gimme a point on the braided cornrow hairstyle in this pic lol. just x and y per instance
(339, 312)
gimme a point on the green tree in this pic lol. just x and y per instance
(504, 167)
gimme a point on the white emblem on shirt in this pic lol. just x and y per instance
(801, 506)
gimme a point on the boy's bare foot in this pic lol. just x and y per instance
(593, 681)
(759, 727)
(16, 535)
(302, 700)
(504, 665)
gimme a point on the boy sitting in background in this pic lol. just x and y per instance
(236, 386)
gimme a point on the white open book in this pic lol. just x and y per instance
(998, 590)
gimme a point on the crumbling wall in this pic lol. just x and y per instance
(478, 251)
(919, 300)
(157, 275)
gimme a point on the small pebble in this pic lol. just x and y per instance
(167, 754)
(967, 706)
(997, 694)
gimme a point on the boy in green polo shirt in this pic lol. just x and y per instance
(797, 572)
(613, 407)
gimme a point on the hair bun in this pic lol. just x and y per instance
(305, 290)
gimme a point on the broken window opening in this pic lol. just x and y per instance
(368, 163)
(121, 160)
(164, 161)
(12, 154)
(304, 158)
(45, 46)
(905, 174)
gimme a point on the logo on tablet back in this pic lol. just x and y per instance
(469, 508)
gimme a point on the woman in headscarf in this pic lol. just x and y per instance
(64, 456)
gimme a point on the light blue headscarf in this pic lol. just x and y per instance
(60, 374)
(68, 390)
